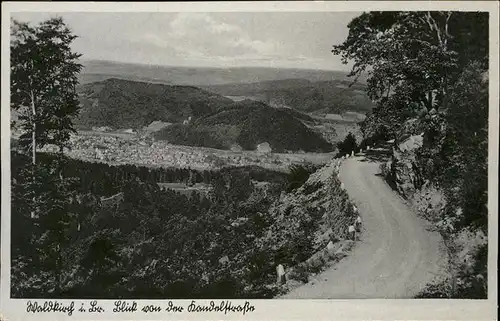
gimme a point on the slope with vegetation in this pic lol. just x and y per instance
(86, 230)
(332, 96)
(119, 103)
(429, 81)
(152, 243)
(247, 124)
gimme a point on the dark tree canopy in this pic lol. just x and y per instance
(427, 74)
(44, 73)
(412, 58)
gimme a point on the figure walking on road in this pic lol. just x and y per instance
(358, 224)
(352, 232)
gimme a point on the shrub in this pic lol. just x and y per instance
(299, 273)
(299, 174)
(347, 145)
(311, 188)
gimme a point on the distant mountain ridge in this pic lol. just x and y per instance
(96, 70)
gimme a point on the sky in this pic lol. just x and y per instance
(235, 39)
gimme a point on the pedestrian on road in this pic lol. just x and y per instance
(352, 232)
(358, 224)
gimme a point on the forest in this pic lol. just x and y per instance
(428, 77)
(153, 243)
(119, 103)
(103, 179)
(248, 124)
(324, 96)
(149, 242)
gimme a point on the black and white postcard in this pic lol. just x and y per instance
(249, 160)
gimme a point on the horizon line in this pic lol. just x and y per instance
(208, 67)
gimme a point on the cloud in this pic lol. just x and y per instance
(185, 23)
(199, 35)
(208, 39)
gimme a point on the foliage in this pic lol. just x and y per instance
(348, 145)
(43, 93)
(44, 74)
(152, 244)
(427, 75)
(299, 174)
(247, 124)
(297, 114)
(119, 103)
(43, 206)
(457, 147)
(333, 96)
(412, 58)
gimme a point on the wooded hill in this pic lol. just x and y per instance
(329, 96)
(119, 103)
(248, 124)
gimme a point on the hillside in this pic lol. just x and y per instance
(248, 124)
(119, 103)
(95, 70)
(329, 96)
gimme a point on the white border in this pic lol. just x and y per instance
(273, 309)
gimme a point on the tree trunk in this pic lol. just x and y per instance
(33, 144)
(33, 134)
(58, 271)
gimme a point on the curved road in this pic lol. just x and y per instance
(396, 255)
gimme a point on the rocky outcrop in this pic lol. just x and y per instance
(405, 173)
(321, 199)
(319, 211)
(264, 148)
(402, 170)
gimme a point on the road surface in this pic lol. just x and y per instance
(396, 255)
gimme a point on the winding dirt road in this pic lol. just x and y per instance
(396, 255)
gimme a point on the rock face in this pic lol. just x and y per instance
(320, 200)
(264, 148)
(402, 170)
(236, 148)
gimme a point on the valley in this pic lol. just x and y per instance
(121, 148)
(141, 181)
(156, 163)
(162, 152)
(157, 124)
